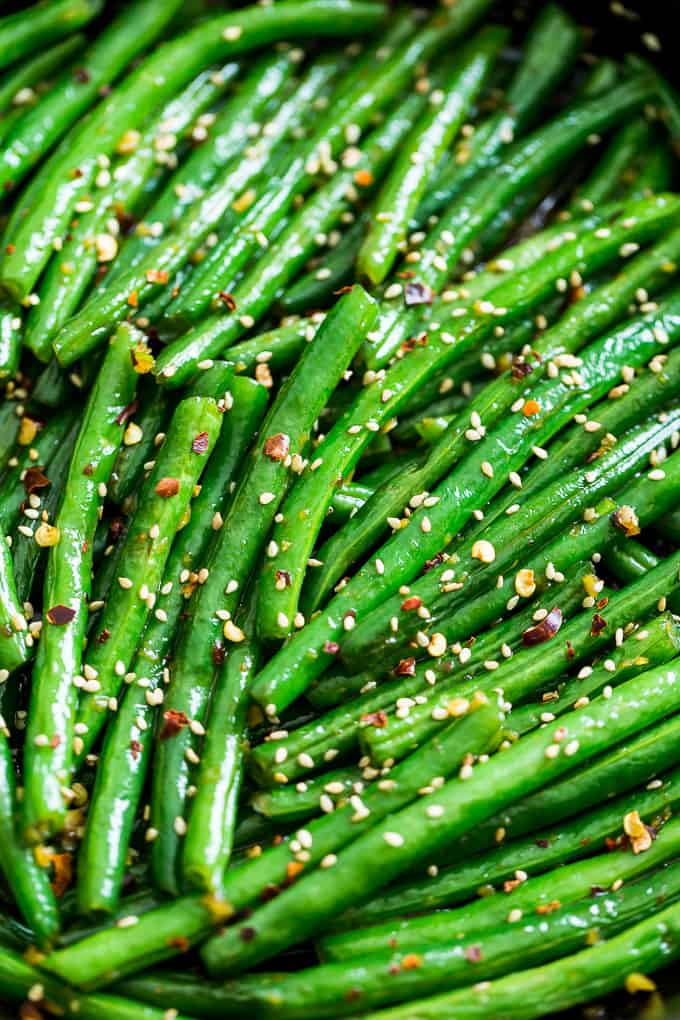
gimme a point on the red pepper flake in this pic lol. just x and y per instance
(127, 412)
(545, 630)
(29, 1011)
(416, 293)
(227, 299)
(293, 869)
(82, 75)
(434, 562)
(542, 843)
(116, 529)
(10, 249)
(548, 908)
(414, 341)
(135, 749)
(55, 741)
(62, 877)
(180, 943)
(167, 487)
(60, 615)
(276, 447)
(331, 647)
(247, 934)
(364, 178)
(218, 653)
(377, 719)
(511, 884)
(601, 603)
(411, 961)
(412, 602)
(174, 723)
(285, 581)
(597, 890)
(598, 625)
(88, 470)
(126, 220)
(200, 443)
(570, 650)
(352, 994)
(156, 276)
(344, 290)
(133, 299)
(520, 368)
(34, 479)
(406, 667)
(530, 408)
(406, 274)
(473, 954)
(104, 636)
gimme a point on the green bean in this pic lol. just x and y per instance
(278, 349)
(35, 134)
(283, 436)
(601, 184)
(11, 334)
(49, 736)
(113, 953)
(565, 884)
(87, 328)
(315, 288)
(34, 72)
(344, 548)
(139, 441)
(338, 989)
(255, 294)
(124, 761)
(263, 86)
(593, 972)
(29, 883)
(164, 501)
(30, 30)
(628, 560)
(14, 649)
(540, 664)
(291, 670)
(528, 161)
(551, 48)
(302, 801)
(538, 519)
(37, 443)
(406, 837)
(21, 983)
(593, 313)
(90, 241)
(583, 836)
(655, 173)
(338, 731)
(210, 830)
(428, 141)
(9, 427)
(26, 552)
(166, 70)
(656, 643)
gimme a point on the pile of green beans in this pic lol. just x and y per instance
(339, 528)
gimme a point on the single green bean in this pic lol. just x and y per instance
(48, 753)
